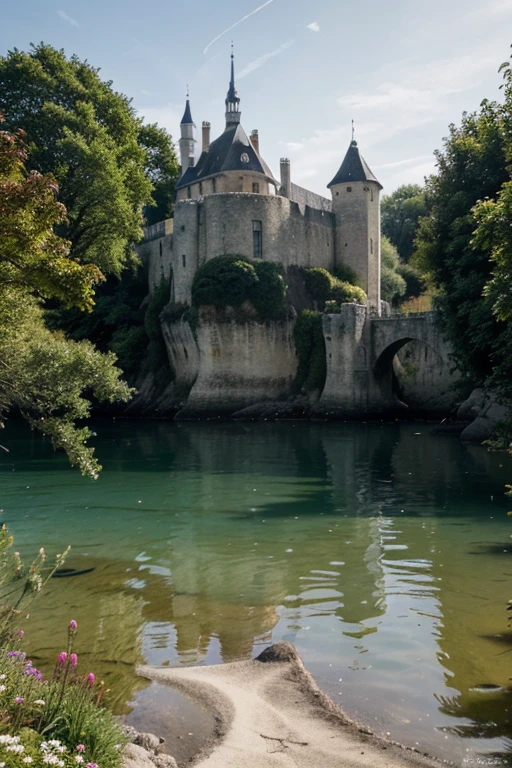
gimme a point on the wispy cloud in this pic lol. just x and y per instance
(403, 163)
(65, 17)
(490, 11)
(314, 26)
(248, 16)
(257, 63)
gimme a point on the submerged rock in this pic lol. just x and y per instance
(487, 413)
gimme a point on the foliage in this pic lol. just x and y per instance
(269, 294)
(48, 378)
(324, 287)
(231, 280)
(414, 281)
(417, 304)
(400, 215)
(310, 348)
(163, 169)
(392, 284)
(105, 161)
(471, 167)
(347, 275)
(332, 307)
(20, 584)
(61, 715)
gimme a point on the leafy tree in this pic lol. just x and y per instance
(471, 167)
(400, 215)
(324, 287)
(310, 347)
(89, 137)
(392, 284)
(49, 379)
(163, 170)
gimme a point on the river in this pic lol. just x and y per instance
(381, 551)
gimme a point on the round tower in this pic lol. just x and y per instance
(187, 140)
(356, 206)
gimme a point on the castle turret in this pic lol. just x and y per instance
(233, 113)
(356, 206)
(187, 141)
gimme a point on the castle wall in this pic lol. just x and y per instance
(226, 182)
(241, 364)
(304, 196)
(223, 224)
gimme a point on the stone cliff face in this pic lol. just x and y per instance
(240, 364)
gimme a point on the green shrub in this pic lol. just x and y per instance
(347, 275)
(319, 284)
(268, 295)
(129, 345)
(231, 280)
(224, 281)
(414, 280)
(324, 287)
(332, 307)
(310, 348)
(345, 293)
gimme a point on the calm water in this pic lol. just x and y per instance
(382, 552)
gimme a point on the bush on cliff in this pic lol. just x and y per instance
(310, 348)
(324, 287)
(232, 280)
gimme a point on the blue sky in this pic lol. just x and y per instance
(403, 70)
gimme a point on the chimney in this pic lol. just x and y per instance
(206, 136)
(255, 140)
(286, 180)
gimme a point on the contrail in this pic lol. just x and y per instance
(237, 23)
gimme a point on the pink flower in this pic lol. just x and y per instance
(74, 659)
(80, 748)
(20, 633)
(63, 657)
(73, 625)
(19, 699)
(91, 678)
(91, 765)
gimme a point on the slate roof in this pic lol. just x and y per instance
(353, 168)
(225, 154)
(187, 115)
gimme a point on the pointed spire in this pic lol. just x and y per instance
(187, 115)
(232, 98)
(354, 167)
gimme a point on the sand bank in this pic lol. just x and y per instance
(270, 712)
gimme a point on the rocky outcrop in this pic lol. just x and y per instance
(486, 412)
(241, 363)
(145, 751)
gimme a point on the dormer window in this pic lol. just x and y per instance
(256, 187)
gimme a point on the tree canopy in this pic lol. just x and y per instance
(49, 379)
(392, 284)
(400, 215)
(470, 168)
(110, 167)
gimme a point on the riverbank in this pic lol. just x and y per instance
(270, 712)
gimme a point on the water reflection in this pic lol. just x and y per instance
(376, 549)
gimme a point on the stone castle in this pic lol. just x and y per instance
(230, 202)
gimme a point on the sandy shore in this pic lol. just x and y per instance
(270, 712)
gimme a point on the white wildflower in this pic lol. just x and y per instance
(2, 688)
(79, 759)
(2, 677)
(18, 748)
(27, 759)
(40, 702)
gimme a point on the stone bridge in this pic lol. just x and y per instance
(361, 350)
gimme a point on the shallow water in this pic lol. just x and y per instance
(381, 551)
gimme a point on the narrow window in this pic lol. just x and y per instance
(256, 187)
(189, 192)
(184, 260)
(371, 245)
(257, 240)
(160, 249)
(214, 185)
(371, 194)
(200, 187)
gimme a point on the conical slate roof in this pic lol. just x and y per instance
(187, 115)
(232, 151)
(353, 168)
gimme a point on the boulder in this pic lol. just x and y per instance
(137, 757)
(472, 407)
(149, 741)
